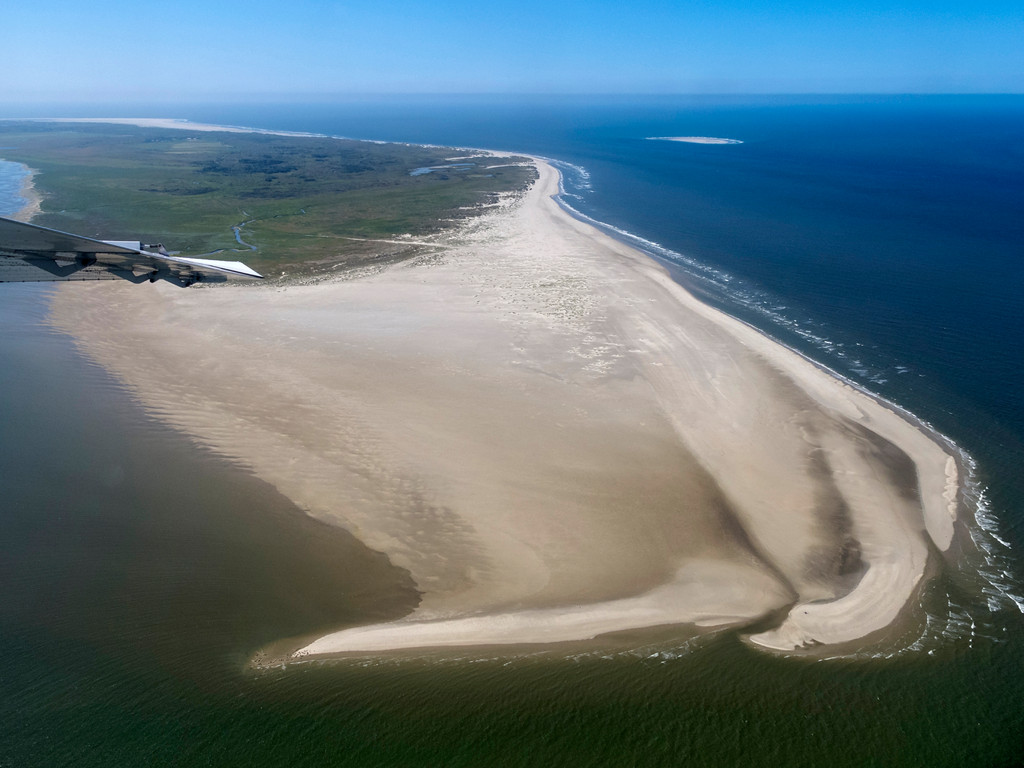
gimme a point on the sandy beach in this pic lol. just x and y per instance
(162, 122)
(33, 201)
(554, 438)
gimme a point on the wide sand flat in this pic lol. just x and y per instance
(553, 437)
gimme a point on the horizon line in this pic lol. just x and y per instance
(341, 95)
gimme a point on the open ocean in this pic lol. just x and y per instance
(883, 237)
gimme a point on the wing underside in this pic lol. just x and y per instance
(29, 254)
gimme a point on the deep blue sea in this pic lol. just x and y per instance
(883, 237)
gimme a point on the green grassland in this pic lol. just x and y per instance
(298, 197)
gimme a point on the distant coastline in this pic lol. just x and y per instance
(695, 139)
(159, 122)
(33, 200)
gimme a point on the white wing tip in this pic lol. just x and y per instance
(232, 267)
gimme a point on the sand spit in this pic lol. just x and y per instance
(553, 437)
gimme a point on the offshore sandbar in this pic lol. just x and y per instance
(695, 139)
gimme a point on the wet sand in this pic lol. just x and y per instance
(554, 438)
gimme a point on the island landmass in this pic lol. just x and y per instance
(555, 439)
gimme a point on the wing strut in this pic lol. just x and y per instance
(29, 253)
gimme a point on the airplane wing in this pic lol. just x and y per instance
(29, 253)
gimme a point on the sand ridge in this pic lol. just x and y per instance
(552, 436)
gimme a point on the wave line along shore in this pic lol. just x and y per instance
(552, 436)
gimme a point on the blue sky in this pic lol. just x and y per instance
(116, 50)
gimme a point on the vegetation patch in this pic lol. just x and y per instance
(297, 199)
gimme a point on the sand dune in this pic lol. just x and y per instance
(553, 437)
